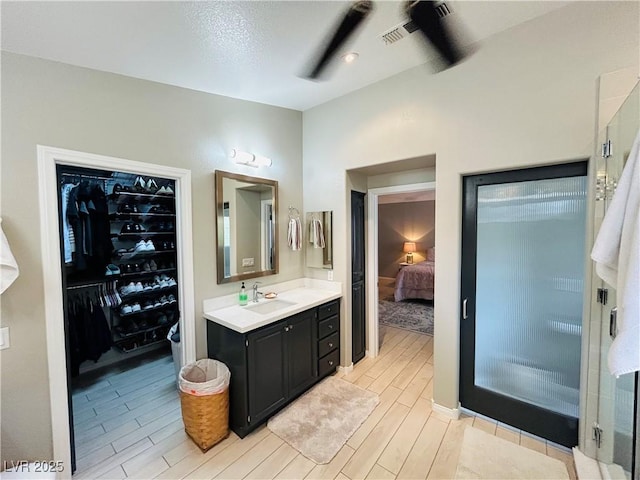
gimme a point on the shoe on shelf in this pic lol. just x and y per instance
(146, 267)
(147, 287)
(164, 300)
(126, 309)
(171, 282)
(128, 289)
(172, 299)
(141, 246)
(168, 190)
(112, 269)
(139, 287)
(153, 265)
(147, 305)
(135, 307)
(157, 303)
(152, 186)
(127, 228)
(149, 246)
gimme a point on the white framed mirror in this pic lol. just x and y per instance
(319, 240)
(246, 226)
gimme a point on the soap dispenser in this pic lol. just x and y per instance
(244, 298)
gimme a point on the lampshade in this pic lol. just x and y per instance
(246, 158)
(409, 247)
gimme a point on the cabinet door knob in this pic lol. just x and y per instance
(330, 345)
(331, 363)
(286, 329)
(290, 327)
(330, 326)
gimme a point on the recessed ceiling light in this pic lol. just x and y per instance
(350, 57)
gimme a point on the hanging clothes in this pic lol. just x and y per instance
(617, 255)
(294, 236)
(89, 333)
(316, 234)
(68, 239)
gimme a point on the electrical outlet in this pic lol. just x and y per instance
(4, 338)
(247, 262)
(330, 275)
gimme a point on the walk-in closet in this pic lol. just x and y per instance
(121, 306)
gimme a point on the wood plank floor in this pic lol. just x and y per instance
(128, 425)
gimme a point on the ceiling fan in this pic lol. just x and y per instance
(426, 15)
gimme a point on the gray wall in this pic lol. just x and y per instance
(53, 104)
(400, 222)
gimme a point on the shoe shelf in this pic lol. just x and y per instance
(142, 255)
(145, 273)
(134, 235)
(164, 306)
(127, 346)
(139, 197)
(127, 216)
(122, 335)
(148, 293)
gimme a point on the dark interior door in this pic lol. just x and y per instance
(357, 277)
(523, 248)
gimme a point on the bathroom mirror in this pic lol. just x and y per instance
(318, 238)
(246, 226)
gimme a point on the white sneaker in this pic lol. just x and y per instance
(168, 190)
(141, 246)
(126, 309)
(149, 246)
(139, 287)
(136, 307)
(127, 289)
(172, 282)
(162, 191)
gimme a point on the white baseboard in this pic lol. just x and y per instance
(453, 413)
(345, 370)
(586, 468)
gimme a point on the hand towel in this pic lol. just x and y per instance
(8, 267)
(316, 235)
(617, 255)
(294, 235)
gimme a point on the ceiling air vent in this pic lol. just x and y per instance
(400, 31)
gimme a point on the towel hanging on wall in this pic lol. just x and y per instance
(617, 256)
(316, 235)
(294, 236)
(8, 267)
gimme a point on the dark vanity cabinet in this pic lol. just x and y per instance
(272, 365)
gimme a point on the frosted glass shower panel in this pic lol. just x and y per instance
(529, 284)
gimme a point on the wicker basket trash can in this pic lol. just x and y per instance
(204, 399)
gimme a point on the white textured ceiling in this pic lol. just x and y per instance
(252, 50)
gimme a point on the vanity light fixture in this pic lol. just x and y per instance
(246, 158)
(409, 248)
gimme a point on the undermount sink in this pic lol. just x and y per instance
(269, 306)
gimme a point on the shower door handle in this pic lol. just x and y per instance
(464, 309)
(613, 322)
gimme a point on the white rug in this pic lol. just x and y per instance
(320, 422)
(490, 457)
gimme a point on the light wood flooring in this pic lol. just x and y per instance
(129, 425)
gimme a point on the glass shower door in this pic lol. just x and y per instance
(616, 396)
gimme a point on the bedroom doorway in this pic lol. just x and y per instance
(382, 272)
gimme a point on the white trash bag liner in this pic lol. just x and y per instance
(204, 377)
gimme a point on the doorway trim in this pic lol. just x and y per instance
(373, 337)
(48, 158)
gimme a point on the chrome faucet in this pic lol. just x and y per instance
(256, 292)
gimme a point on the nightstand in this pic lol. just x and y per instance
(403, 264)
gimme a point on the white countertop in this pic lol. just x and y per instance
(244, 319)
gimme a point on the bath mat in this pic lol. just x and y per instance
(320, 422)
(486, 456)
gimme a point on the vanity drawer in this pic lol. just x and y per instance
(328, 363)
(328, 326)
(328, 344)
(328, 309)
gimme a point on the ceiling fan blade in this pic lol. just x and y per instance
(353, 18)
(425, 15)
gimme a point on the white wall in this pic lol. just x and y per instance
(527, 97)
(59, 105)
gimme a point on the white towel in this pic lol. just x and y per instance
(8, 267)
(316, 235)
(617, 256)
(294, 236)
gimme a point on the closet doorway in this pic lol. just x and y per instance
(117, 277)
